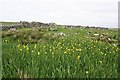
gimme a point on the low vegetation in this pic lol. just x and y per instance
(64, 53)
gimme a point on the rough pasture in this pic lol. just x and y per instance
(63, 53)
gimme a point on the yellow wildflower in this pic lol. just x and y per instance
(45, 52)
(38, 53)
(18, 45)
(44, 46)
(27, 48)
(20, 49)
(24, 46)
(100, 61)
(78, 49)
(5, 40)
(78, 57)
(117, 49)
(52, 52)
(87, 72)
(35, 46)
(73, 47)
(68, 49)
(65, 52)
(101, 52)
(32, 51)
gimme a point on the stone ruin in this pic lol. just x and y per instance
(24, 24)
(50, 26)
(8, 27)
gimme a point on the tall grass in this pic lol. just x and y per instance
(67, 57)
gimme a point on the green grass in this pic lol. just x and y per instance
(71, 56)
(7, 23)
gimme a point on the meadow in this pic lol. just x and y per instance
(40, 53)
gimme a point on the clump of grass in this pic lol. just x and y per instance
(9, 33)
(20, 74)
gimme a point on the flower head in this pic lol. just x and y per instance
(20, 49)
(87, 72)
(38, 53)
(78, 57)
(65, 52)
(35, 46)
(78, 49)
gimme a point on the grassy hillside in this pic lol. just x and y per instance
(40, 53)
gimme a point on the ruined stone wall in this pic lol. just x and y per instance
(7, 27)
(24, 24)
(51, 26)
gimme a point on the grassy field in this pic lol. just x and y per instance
(28, 53)
(7, 23)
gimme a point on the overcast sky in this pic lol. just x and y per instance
(102, 13)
